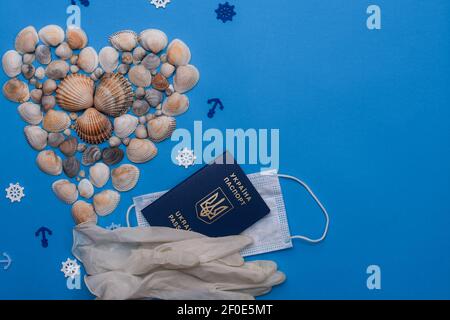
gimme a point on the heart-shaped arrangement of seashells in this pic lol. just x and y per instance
(72, 92)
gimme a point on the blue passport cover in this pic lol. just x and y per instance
(218, 200)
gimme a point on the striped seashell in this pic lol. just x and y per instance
(125, 177)
(141, 150)
(186, 78)
(12, 63)
(93, 127)
(36, 137)
(114, 95)
(16, 90)
(75, 93)
(106, 202)
(175, 104)
(161, 128)
(65, 191)
(153, 40)
(30, 113)
(51, 35)
(56, 121)
(125, 125)
(125, 40)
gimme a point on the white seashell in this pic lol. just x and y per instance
(109, 59)
(167, 70)
(16, 90)
(83, 212)
(49, 162)
(56, 121)
(27, 40)
(40, 73)
(178, 53)
(88, 60)
(175, 105)
(30, 113)
(161, 128)
(153, 97)
(185, 78)
(141, 150)
(106, 202)
(99, 174)
(65, 190)
(85, 188)
(76, 38)
(125, 40)
(64, 51)
(125, 177)
(51, 35)
(125, 125)
(36, 137)
(153, 40)
(141, 132)
(57, 69)
(12, 63)
(140, 76)
(114, 141)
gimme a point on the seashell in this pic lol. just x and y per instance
(67, 132)
(28, 58)
(55, 139)
(64, 51)
(56, 121)
(12, 63)
(36, 137)
(161, 128)
(151, 61)
(167, 70)
(28, 71)
(106, 202)
(125, 40)
(108, 59)
(27, 40)
(49, 162)
(141, 150)
(16, 90)
(99, 174)
(175, 105)
(153, 40)
(93, 127)
(30, 113)
(114, 95)
(65, 190)
(153, 97)
(36, 95)
(140, 107)
(125, 125)
(139, 93)
(125, 177)
(91, 155)
(57, 69)
(75, 93)
(69, 146)
(185, 78)
(51, 35)
(43, 54)
(123, 69)
(114, 141)
(126, 141)
(159, 82)
(88, 60)
(83, 212)
(178, 53)
(141, 132)
(85, 188)
(76, 38)
(138, 54)
(140, 76)
(112, 156)
(48, 102)
(127, 58)
(40, 73)
(49, 86)
(71, 167)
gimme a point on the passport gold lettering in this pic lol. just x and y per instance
(178, 221)
(238, 189)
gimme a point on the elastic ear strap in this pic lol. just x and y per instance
(325, 213)
(128, 215)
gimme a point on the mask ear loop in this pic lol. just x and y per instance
(128, 215)
(325, 213)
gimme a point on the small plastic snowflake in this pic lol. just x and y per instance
(160, 3)
(113, 226)
(14, 192)
(70, 268)
(186, 157)
(225, 12)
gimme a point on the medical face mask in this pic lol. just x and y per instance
(270, 233)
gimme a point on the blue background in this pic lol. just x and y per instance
(363, 118)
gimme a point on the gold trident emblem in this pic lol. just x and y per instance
(211, 207)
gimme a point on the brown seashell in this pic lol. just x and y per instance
(153, 97)
(159, 82)
(56, 121)
(55, 139)
(65, 190)
(16, 90)
(93, 127)
(76, 38)
(140, 107)
(69, 146)
(112, 156)
(71, 167)
(57, 69)
(114, 95)
(75, 93)
(140, 76)
(91, 155)
(186, 78)
(106, 202)
(83, 212)
(125, 177)
(141, 150)
(161, 128)
(48, 102)
(49, 162)
(27, 40)
(178, 53)
(30, 113)
(36, 137)
(175, 105)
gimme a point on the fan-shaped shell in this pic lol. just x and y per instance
(65, 191)
(125, 40)
(88, 60)
(153, 40)
(12, 63)
(16, 90)
(85, 188)
(153, 97)
(36, 137)
(140, 76)
(108, 59)
(178, 53)
(93, 127)
(27, 40)
(30, 113)
(76, 38)
(106, 202)
(185, 78)
(125, 177)
(83, 212)
(49, 162)
(175, 105)
(141, 150)
(114, 95)
(75, 93)
(56, 121)
(99, 174)
(161, 128)
(57, 69)
(125, 125)
(51, 35)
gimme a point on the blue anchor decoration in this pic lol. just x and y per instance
(43, 231)
(215, 102)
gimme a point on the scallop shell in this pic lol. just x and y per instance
(159, 82)
(64, 51)
(112, 156)
(57, 69)
(185, 78)
(83, 212)
(108, 59)
(71, 167)
(16, 90)
(49, 162)
(85, 188)
(151, 61)
(161, 128)
(36, 137)
(27, 40)
(30, 113)
(93, 127)
(88, 60)
(106, 202)
(99, 174)
(167, 70)
(153, 97)
(55, 139)
(56, 121)
(51, 35)
(12, 63)
(43, 54)
(125, 40)
(140, 107)
(125, 177)
(178, 53)
(153, 40)
(91, 155)
(114, 95)
(175, 105)
(141, 150)
(69, 146)
(140, 76)
(75, 93)
(65, 190)
(125, 125)
(76, 38)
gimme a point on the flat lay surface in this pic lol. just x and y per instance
(363, 118)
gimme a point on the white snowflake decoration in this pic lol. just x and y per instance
(70, 268)
(186, 157)
(113, 226)
(14, 192)
(160, 3)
